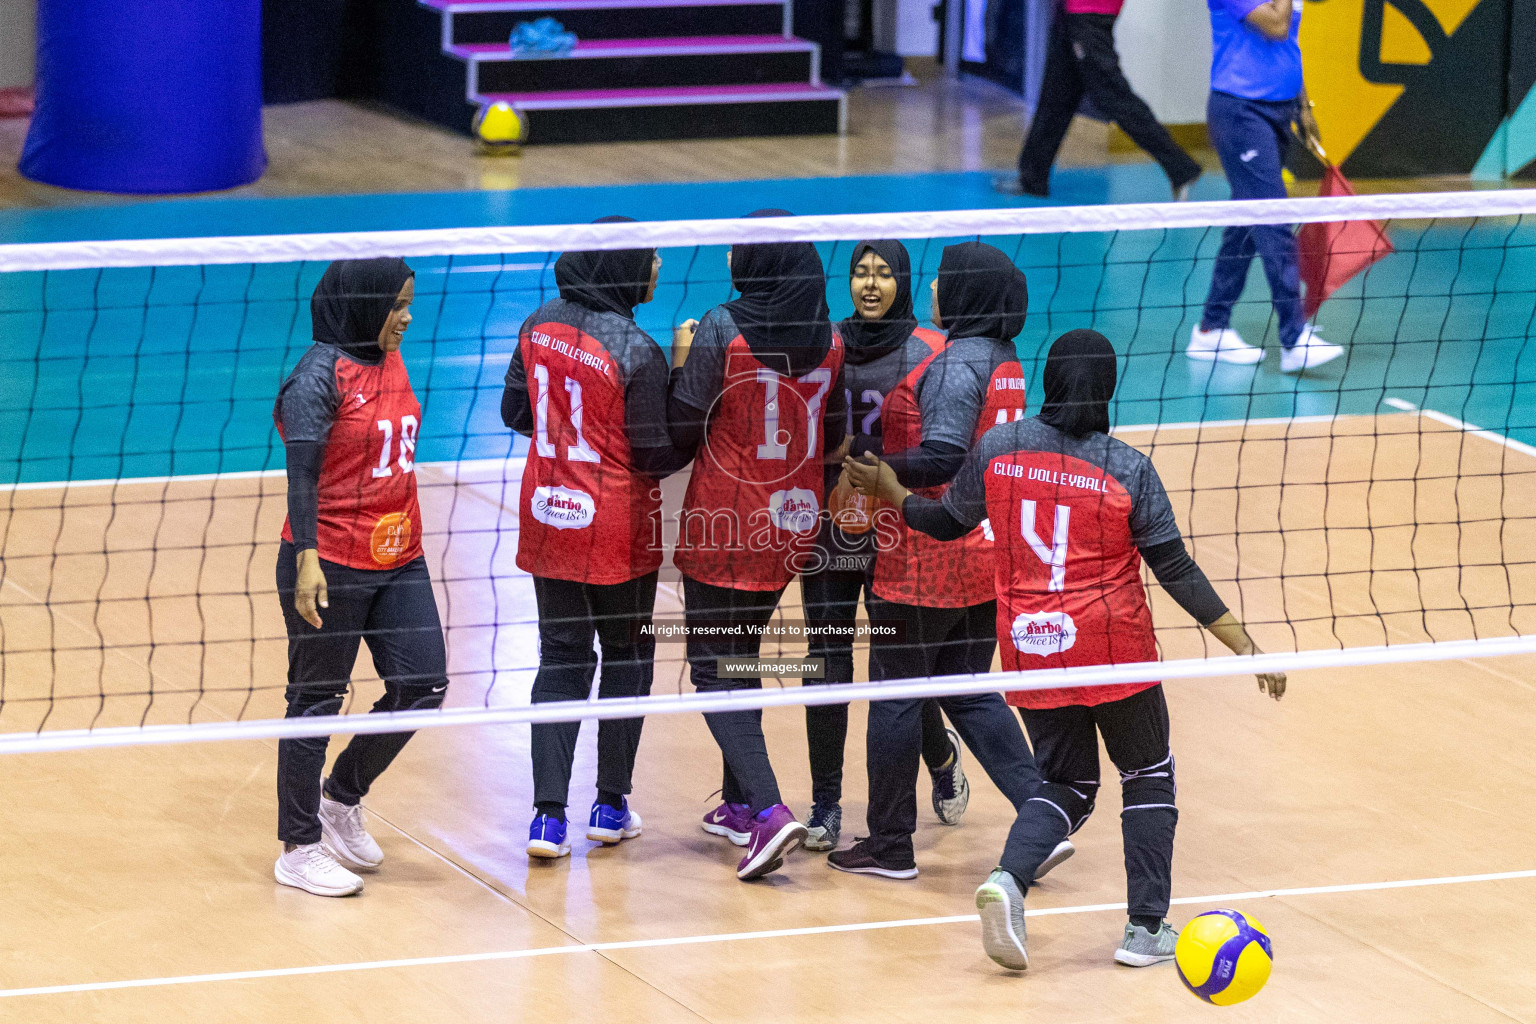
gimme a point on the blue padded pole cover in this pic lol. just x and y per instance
(147, 96)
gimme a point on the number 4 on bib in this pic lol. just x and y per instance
(1055, 553)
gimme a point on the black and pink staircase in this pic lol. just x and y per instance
(641, 69)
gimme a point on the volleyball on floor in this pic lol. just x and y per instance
(1224, 957)
(500, 126)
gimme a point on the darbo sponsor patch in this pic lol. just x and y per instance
(796, 510)
(563, 508)
(1044, 633)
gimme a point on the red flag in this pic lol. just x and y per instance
(1333, 253)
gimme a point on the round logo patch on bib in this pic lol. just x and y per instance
(391, 536)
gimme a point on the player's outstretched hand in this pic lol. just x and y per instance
(309, 594)
(1272, 683)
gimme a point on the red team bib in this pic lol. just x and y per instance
(1069, 578)
(368, 514)
(919, 570)
(753, 504)
(586, 513)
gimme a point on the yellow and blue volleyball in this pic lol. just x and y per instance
(1224, 957)
(499, 125)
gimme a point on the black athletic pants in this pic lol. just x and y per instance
(748, 775)
(1082, 59)
(395, 612)
(831, 597)
(1135, 731)
(570, 616)
(935, 642)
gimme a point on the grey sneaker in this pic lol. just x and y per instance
(951, 790)
(824, 828)
(1001, 903)
(1142, 948)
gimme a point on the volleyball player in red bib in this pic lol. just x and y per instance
(882, 345)
(1075, 512)
(760, 400)
(350, 566)
(940, 596)
(589, 388)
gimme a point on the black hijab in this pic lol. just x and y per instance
(981, 293)
(866, 339)
(352, 302)
(606, 281)
(783, 304)
(1079, 382)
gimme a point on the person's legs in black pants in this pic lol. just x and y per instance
(570, 614)
(567, 663)
(831, 599)
(319, 671)
(1098, 65)
(396, 612)
(983, 720)
(1061, 91)
(894, 735)
(937, 750)
(620, 612)
(1067, 755)
(405, 637)
(1135, 731)
(743, 749)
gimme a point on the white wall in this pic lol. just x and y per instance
(17, 42)
(917, 34)
(1165, 49)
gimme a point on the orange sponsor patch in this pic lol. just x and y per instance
(391, 536)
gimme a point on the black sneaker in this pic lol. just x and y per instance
(823, 828)
(858, 859)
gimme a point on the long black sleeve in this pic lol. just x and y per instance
(645, 417)
(931, 517)
(1184, 580)
(304, 461)
(685, 424)
(516, 413)
(928, 465)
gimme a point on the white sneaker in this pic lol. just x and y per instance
(1222, 346)
(1310, 350)
(1064, 850)
(312, 868)
(344, 835)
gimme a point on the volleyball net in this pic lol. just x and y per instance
(1378, 509)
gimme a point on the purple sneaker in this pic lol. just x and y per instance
(774, 833)
(731, 821)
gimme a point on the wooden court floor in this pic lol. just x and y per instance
(137, 884)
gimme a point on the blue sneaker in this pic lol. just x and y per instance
(546, 838)
(610, 825)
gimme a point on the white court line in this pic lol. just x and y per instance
(1463, 426)
(699, 940)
